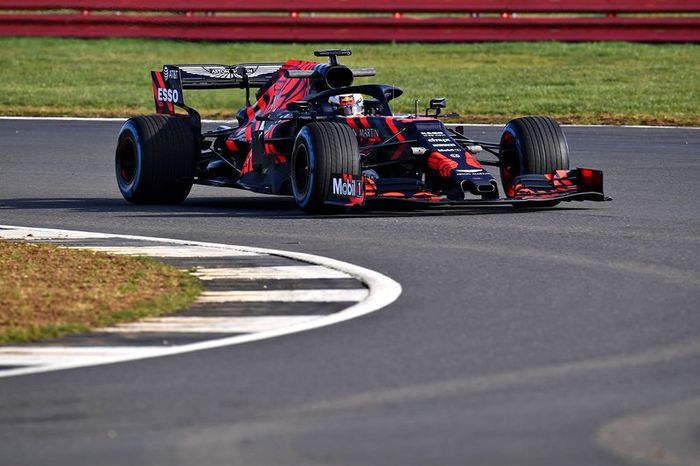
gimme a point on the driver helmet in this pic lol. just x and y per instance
(347, 104)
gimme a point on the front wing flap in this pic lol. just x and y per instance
(567, 185)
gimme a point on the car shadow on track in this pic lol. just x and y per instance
(269, 207)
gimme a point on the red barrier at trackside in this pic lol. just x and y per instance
(396, 20)
(386, 6)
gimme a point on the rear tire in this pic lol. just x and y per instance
(322, 150)
(532, 146)
(155, 159)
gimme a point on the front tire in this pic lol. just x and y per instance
(155, 159)
(322, 150)
(531, 146)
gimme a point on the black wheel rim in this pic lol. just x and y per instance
(301, 171)
(126, 160)
(510, 165)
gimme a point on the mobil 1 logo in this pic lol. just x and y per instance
(346, 188)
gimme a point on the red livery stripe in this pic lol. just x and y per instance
(442, 164)
(161, 84)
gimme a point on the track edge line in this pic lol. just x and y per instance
(382, 292)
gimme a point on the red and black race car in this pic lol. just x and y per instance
(312, 134)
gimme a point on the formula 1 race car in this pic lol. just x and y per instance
(314, 135)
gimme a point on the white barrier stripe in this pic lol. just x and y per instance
(168, 251)
(210, 324)
(282, 296)
(274, 272)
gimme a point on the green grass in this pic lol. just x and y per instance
(489, 82)
(48, 292)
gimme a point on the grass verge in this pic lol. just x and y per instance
(603, 82)
(47, 292)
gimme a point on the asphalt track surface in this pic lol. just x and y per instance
(519, 338)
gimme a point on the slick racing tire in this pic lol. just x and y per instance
(322, 150)
(155, 159)
(532, 146)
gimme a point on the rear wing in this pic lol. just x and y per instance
(169, 83)
(224, 76)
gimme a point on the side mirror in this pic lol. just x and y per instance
(437, 105)
(299, 106)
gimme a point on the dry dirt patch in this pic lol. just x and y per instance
(47, 291)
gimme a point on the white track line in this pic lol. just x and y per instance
(497, 125)
(381, 291)
(299, 272)
(283, 296)
(108, 119)
(66, 355)
(32, 234)
(168, 251)
(210, 324)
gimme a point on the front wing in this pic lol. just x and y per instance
(580, 184)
